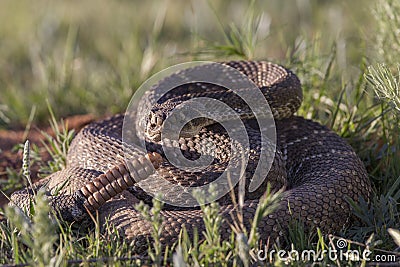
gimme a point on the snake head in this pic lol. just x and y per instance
(154, 125)
(170, 118)
(156, 119)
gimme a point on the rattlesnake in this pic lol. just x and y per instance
(318, 169)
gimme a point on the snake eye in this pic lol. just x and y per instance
(156, 120)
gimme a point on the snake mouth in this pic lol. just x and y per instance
(155, 127)
(194, 126)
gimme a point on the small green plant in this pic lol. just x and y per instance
(38, 233)
(58, 145)
(239, 249)
(153, 215)
(213, 249)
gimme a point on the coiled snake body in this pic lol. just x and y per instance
(318, 169)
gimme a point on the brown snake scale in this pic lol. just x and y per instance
(319, 170)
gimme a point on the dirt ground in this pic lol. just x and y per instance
(10, 138)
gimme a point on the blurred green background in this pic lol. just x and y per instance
(89, 56)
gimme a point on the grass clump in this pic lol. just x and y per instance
(37, 233)
(32, 241)
(240, 249)
(57, 147)
(153, 215)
